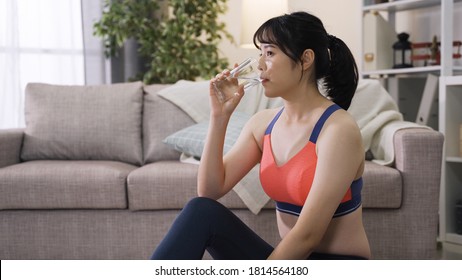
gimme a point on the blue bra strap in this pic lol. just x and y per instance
(317, 128)
(355, 201)
(288, 208)
(270, 126)
(343, 209)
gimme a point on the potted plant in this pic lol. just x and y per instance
(178, 39)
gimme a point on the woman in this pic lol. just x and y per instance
(310, 153)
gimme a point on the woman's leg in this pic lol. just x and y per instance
(206, 224)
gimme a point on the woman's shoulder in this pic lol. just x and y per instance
(260, 121)
(346, 119)
(264, 117)
(342, 124)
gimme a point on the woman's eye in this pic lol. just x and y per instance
(267, 53)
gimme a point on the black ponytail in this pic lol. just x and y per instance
(341, 79)
(334, 64)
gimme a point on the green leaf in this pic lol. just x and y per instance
(184, 46)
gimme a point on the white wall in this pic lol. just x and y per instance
(341, 18)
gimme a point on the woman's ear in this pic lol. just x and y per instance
(307, 59)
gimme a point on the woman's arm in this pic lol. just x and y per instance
(217, 174)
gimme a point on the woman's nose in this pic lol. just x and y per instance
(261, 63)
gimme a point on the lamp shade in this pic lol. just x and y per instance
(255, 13)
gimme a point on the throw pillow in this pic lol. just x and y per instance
(191, 140)
(83, 122)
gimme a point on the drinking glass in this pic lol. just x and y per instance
(246, 73)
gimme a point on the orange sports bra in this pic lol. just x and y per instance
(290, 183)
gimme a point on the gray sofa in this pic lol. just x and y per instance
(90, 178)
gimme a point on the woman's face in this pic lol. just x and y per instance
(279, 73)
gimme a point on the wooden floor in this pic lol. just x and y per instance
(449, 251)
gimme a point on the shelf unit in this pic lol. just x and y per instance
(449, 102)
(446, 68)
(450, 96)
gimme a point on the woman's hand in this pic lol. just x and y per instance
(218, 108)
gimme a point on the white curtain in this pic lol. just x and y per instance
(11, 99)
(40, 41)
(97, 67)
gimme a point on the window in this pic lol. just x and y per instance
(40, 41)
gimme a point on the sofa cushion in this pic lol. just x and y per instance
(162, 185)
(169, 185)
(160, 113)
(383, 187)
(68, 184)
(83, 122)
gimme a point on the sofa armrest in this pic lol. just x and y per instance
(418, 156)
(10, 146)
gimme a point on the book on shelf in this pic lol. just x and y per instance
(428, 103)
(379, 37)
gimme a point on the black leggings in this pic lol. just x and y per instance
(205, 224)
